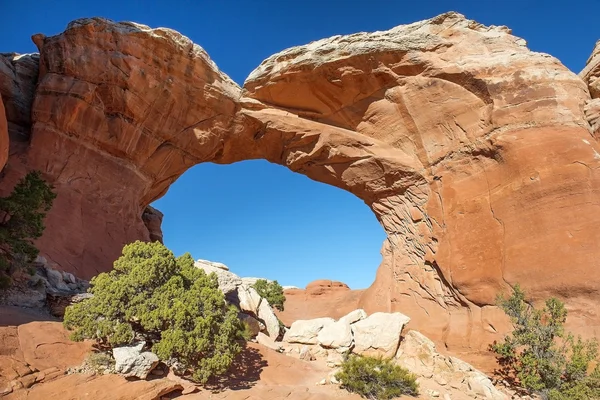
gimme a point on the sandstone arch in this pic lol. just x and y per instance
(473, 152)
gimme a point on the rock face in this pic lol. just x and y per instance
(3, 136)
(153, 219)
(591, 75)
(321, 298)
(473, 152)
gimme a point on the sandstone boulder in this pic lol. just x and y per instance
(379, 333)
(268, 342)
(354, 316)
(306, 331)
(249, 299)
(130, 361)
(228, 281)
(268, 317)
(336, 335)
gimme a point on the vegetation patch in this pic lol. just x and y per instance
(376, 378)
(541, 358)
(272, 291)
(178, 309)
(22, 216)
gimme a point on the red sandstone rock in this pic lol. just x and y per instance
(152, 220)
(3, 136)
(321, 298)
(473, 152)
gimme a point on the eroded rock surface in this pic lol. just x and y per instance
(473, 152)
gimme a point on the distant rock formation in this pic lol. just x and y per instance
(475, 154)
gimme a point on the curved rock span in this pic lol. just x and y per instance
(474, 153)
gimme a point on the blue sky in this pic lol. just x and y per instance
(260, 218)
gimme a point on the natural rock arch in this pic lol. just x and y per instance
(473, 152)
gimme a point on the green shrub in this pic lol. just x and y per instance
(376, 378)
(272, 291)
(174, 306)
(22, 216)
(541, 357)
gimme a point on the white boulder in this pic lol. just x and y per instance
(228, 281)
(249, 299)
(336, 335)
(379, 333)
(268, 317)
(354, 316)
(131, 361)
(306, 331)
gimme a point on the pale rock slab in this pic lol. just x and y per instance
(336, 335)
(228, 281)
(266, 341)
(306, 331)
(249, 299)
(379, 333)
(354, 316)
(268, 317)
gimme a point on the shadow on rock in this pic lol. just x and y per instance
(243, 373)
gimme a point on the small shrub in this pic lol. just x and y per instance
(541, 357)
(22, 216)
(376, 378)
(99, 362)
(272, 291)
(175, 307)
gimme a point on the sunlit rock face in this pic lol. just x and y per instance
(474, 153)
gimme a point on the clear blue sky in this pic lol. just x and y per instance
(259, 218)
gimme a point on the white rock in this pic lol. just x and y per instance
(306, 354)
(212, 264)
(268, 317)
(379, 333)
(354, 316)
(130, 361)
(336, 335)
(228, 281)
(266, 341)
(250, 281)
(306, 331)
(249, 299)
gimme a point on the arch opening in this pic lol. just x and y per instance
(262, 220)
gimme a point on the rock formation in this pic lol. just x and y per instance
(321, 298)
(474, 153)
